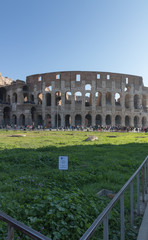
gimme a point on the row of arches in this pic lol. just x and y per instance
(138, 103)
(37, 119)
(98, 99)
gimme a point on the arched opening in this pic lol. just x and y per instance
(48, 121)
(14, 119)
(68, 98)
(48, 88)
(25, 97)
(58, 100)
(117, 99)
(40, 97)
(8, 99)
(127, 121)
(57, 121)
(144, 102)
(6, 114)
(67, 120)
(108, 99)
(33, 114)
(39, 120)
(2, 95)
(127, 101)
(88, 87)
(144, 122)
(87, 99)
(98, 120)
(118, 120)
(48, 99)
(88, 120)
(22, 120)
(78, 120)
(14, 98)
(136, 121)
(98, 99)
(136, 101)
(78, 97)
(32, 98)
(108, 120)
(127, 88)
(25, 89)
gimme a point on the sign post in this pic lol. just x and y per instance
(63, 162)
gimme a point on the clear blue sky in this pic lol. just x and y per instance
(38, 36)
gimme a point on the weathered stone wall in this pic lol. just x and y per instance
(77, 98)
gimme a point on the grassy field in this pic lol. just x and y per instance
(63, 205)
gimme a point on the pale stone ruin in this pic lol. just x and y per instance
(74, 98)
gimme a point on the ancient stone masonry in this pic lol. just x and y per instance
(75, 98)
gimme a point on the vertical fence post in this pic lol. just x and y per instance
(122, 217)
(131, 203)
(10, 233)
(105, 228)
(138, 196)
(142, 181)
(145, 178)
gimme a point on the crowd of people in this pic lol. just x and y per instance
(77, 128)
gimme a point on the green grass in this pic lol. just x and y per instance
(63, 205)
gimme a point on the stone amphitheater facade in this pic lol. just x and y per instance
(74, 98)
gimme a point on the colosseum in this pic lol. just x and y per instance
(74, 98)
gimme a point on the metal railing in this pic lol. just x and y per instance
(13, 224)
(103, 217)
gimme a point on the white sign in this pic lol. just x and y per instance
(63, 162)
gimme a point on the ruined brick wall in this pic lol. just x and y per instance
(77, 98)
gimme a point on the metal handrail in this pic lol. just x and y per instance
(120, 195)
(14, 224)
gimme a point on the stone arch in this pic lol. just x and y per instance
(118, 120)
(6, 115)
(58, 100)
(88, 120)
(32, 98)
(98, 120)
(48, 88)
(67, 120)
(14, 119)
(78, 97)
(136, 101)
(22, 120)
(127, 121)
(98, 99)
(108, 98)
(136, 121)
(48, 99)
(127, 100)
(68, 97)
(108, 120)
(144, 101)
(8, 99)
(78, 120)
(48, 121)
(25, 88)
(33, 114)
(2, 95)
(14, 97)
(57, 120)
(40, 98)
(117, 99)
(39, 119)
(144, 122)
(87, 87)
(88, 99)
